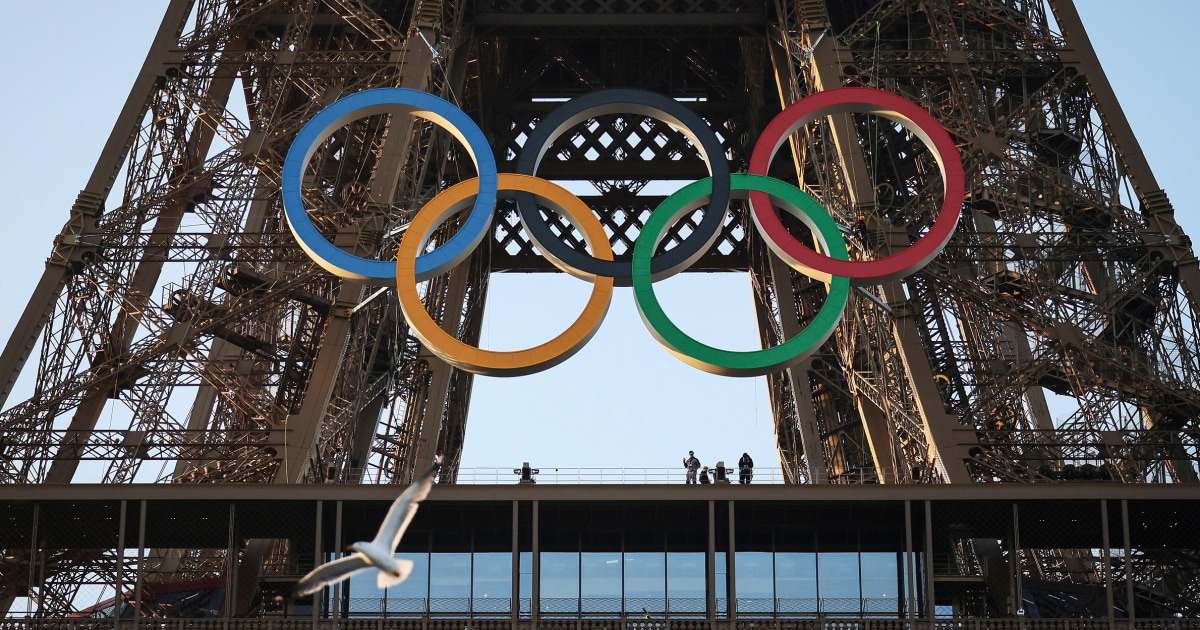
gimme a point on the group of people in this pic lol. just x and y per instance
(699, 474)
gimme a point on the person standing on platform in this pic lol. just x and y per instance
(704, 475)
(745, 468)
(692, 465)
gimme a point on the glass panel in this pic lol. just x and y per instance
(755, 582)
(837, 582)
(449, 582)
(722, 587)
(526, 583)
(600, 582)
(491, 589)
(403, 599)
(559, 583)
(686, 583)
(796, 582)
(646, 582)
(881, 582)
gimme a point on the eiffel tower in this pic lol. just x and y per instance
(1052, 341)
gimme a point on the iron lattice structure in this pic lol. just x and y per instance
(1052, 341)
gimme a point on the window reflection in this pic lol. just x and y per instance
(449, 582)
(559, 583)
(796, 582)
(525, 588)
(722, 584)
(645, 582)
(755, 580)
(686, 580)
(491, 588)
(838, 582)
(882, 581)
(600, 582)
(655, 584)
(408, 597)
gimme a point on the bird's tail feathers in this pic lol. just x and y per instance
(403, 568)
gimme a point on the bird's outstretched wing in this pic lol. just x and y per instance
(329, 573)
(403, 509)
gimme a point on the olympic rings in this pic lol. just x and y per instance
(491, 362)
(380, 101)
(647, 104)
(886, 105)
(727, 362)
(831, 265)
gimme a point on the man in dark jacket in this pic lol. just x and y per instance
(745, 468)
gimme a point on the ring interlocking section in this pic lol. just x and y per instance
(831, 265)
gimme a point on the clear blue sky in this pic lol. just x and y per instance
(623, 401)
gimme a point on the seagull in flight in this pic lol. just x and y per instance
(378, 553)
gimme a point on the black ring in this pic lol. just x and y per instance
(644, 103)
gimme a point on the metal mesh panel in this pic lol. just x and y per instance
(652, 605)
(559, 606)
(1165, 558)
(687, 606)
(970, 540)
(755, 607)
(449, 605)
(16, 544)
(601, 605)
(1062, 571)
(842, 606)
(405, 606)
(277, 544)
(365, 607)
(491, 606)
(76, 556)
(798, 606)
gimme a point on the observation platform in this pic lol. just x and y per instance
(603, 556)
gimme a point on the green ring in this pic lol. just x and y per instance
(727, 362)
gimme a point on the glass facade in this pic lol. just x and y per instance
(643, 560)
(639, 583)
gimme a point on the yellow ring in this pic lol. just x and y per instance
(492, 362)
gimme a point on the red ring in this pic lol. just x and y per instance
(866, 101)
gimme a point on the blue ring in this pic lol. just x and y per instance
(379, 101)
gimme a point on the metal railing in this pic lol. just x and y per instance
(622, 475)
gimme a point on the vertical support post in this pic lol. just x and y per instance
(536, 591)
(775, 581)
(1129, 603)
(316, 608)
(930, 599)
(141, 564)
(910, 577)
(120, 565)
(515, 596)
(624, 603)
(710, 572)
(231, 566)
(817, 571)
(35, 560)
(337, 542)
(1108, 585)
(1018, 597)
(666, 594)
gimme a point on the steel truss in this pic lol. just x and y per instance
(1049, 342)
